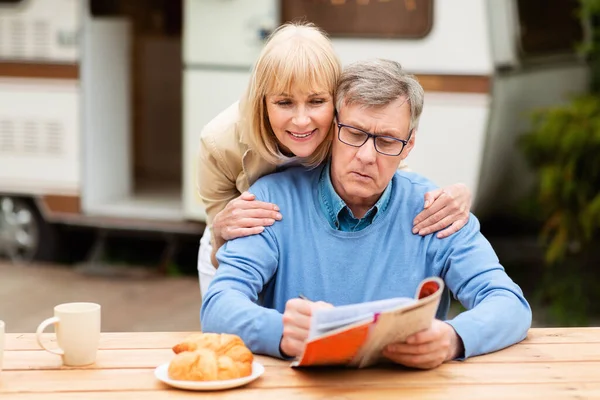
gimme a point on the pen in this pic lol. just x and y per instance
(303, 297)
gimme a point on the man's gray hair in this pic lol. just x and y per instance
(377, 83)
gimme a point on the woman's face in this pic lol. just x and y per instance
(300, 120)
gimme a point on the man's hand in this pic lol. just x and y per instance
(296, 323)
(427, 349)
(446, 211)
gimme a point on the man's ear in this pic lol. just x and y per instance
(409, 146)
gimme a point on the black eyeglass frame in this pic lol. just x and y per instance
(371, 135)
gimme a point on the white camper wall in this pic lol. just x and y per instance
(226, 34)
(39, 30)
(107, 166)
(199, 109)
(39, 136)
(458, 43)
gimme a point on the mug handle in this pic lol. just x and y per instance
(40, 330)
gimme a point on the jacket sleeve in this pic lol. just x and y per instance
(215, 182)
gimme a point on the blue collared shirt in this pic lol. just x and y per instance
(338, 214)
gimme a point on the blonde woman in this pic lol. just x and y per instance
(285, 118)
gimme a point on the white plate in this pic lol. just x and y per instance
(162, 374)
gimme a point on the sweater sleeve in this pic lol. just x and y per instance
(246, 265)
(497, 313)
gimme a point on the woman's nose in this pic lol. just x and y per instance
(301, 118)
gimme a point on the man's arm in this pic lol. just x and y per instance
(245, 266)
(498, 314)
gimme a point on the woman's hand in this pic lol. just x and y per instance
(244, 216)
(446, 209)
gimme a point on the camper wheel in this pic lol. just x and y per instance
(24, 235)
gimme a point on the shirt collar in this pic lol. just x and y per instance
(333, 206)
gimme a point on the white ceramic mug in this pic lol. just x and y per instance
(77, 327)
(1, 343)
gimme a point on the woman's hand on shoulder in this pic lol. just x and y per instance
(244, 216)
(446, 211)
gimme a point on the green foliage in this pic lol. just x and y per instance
(563, 147)
(589, 14)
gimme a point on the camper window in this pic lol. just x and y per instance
(549, 27)
(364, 18)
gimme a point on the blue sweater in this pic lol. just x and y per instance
(302, 253)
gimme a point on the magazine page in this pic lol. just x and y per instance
(329, 319)
(396, 325)
(356, 334)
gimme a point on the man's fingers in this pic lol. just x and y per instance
(292, 347)
(295, 332)
(299, 306)
(424, 361)
(403, 348)
(425, 336)
(321, 304)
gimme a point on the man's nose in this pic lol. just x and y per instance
(367, 153)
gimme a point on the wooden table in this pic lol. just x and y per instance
(550, 363)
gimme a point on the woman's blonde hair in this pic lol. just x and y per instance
(296, 54)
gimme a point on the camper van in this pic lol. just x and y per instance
(102, 102)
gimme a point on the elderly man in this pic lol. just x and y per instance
(346, 238)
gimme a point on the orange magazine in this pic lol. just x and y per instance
(356, 334)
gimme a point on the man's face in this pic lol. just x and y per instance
(360, 174)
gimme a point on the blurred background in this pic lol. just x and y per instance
(102, 103)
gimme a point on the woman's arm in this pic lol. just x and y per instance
(215, 185)
(229, 213)
(446, 210)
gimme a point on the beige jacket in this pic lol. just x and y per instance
(227, 166)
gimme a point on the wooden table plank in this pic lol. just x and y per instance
(550, 363)
(106, 359)
(548, 352)
(108, 340)
(141, 340)
(150, 358)
(153, 340)
(471, 392)
(277, 377)
(563, 335)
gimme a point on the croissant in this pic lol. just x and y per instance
(211, 356)
(221, 343)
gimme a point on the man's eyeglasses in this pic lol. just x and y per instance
(386, 145)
